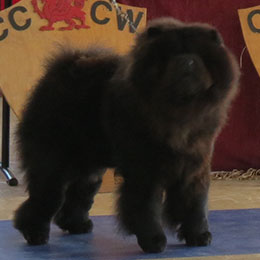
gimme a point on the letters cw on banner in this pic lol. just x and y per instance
(32, 30)
(250, 24)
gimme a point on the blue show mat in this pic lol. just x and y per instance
(234, 232)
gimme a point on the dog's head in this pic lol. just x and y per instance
(178, 62)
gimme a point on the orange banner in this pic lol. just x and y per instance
(250, 24)
(31, 30)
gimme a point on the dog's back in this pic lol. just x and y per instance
(70, 92)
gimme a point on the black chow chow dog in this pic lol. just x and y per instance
(153, 115)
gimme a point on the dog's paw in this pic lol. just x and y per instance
(32, 225)
(202, 239)
(73, 226)
(79, 228)
(36, 238)
(153, 244)
(34, 234)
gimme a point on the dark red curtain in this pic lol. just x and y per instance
(2, 4)
(238, 146)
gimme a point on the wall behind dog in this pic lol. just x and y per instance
(238, 146)
(4, 3)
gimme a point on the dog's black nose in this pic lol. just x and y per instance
(188, 62)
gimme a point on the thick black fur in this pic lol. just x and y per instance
(153, 114)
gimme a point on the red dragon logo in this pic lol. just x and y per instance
(61, 10)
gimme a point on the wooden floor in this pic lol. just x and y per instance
(223, 195)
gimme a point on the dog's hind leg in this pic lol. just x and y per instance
(73, 216)
(174, 208)
(33, 217)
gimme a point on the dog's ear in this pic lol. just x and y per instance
(154, 31)
(215, 36)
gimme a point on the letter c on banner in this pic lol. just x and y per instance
(94, 12)
(250, 21)
(14, 23)
(5, 31)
